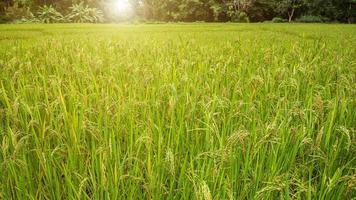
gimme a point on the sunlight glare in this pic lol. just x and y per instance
(122, 6)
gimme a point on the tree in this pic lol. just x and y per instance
(197, 10)
(261, 10)
(287, 7)
(351, 11)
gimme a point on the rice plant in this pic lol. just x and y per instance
(177, 111)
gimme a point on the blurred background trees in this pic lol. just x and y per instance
(178, 10)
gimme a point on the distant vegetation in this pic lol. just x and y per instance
(95, 11)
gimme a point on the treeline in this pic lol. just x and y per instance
(179, 10)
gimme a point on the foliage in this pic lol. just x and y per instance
(310, 19)
(177, 111)
(48, 14)
(287, 7)
(17, 12)
(190, 10)
(81, 13)
(279, 20)
(239, 17)
(4, 19)
(28, 20)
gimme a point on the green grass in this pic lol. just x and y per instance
(178, 111)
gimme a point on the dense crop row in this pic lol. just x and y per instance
(177, 112)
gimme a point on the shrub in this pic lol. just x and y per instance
(28, 20)
(326, 19)
(4, 19)
(240, 17)
(310, 19)
(80, 13)
(48, 14)
(279, 20)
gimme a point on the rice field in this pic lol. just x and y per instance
(178, 111)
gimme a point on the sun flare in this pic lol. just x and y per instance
(122, 5)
